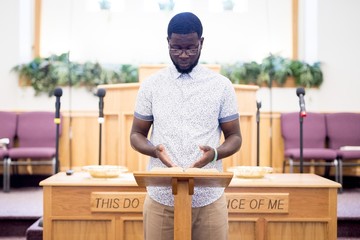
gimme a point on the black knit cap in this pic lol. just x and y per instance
(185, 23)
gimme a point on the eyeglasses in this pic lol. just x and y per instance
(189, 52)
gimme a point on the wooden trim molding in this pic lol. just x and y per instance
(295, 29)
(37, 28)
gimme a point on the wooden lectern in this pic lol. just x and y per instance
(182, 184)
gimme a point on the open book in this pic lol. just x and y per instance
(180, 169)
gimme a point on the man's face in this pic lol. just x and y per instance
(184, 50)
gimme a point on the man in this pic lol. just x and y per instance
(187, 106)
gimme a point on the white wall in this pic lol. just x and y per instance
(339, 49)
(9, 49)
(327, 33)
(137, 36)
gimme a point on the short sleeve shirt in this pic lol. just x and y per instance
(186, 111)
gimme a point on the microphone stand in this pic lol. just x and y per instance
(301, 120)
(57, 162)
(301, 92)
(57, 120)
(101, 94)
(70, 171)
(258, 106)
(271, 116)
(100, 120)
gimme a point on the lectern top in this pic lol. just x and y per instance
(202, 178)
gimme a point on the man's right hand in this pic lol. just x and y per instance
(161, 153)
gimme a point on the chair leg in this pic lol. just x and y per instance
(291, 165)
(284, 165)
(336, 165)
(6, 175)
(54, 165)
(340, 167)
(327, 169)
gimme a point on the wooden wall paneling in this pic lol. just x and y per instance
(118, 102)
(129, 227)
(48, 199)
(246, 228)
(242, 157)
(302, 229)
(91, 229)
(111, 137)
(246, 96)
(277, 141)
(85, 149)
(134, 160)
(120, 96)
(84, 142)
(247, 151)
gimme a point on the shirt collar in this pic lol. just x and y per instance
(175, 74)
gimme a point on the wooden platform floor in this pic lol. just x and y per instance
(22, 206)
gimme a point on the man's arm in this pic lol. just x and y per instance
(233, 139)
(138, 139)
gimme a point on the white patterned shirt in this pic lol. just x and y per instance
(186, 110)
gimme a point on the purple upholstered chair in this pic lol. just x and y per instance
(343, 130)
(315, 152)
(36, 134)
(7, 135)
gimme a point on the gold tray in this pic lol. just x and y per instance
(104, 171)
(250, 171)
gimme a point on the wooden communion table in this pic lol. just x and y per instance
(276, 207)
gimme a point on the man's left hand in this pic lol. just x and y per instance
(207, 157)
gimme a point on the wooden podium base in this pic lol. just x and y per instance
(182, 184)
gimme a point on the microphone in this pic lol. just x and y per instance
(258, 106)
(101, 94)
(58, 93)
(300, 92)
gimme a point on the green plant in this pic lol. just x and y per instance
(274, 68)
(45, 74)
(242, 73)
(306, 75)
(251, 72)
(129, 73)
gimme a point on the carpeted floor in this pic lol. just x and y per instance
(12, 238)
(349, 204)
(24, 202)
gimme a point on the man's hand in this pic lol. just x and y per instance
(161, 153)
(207, 157)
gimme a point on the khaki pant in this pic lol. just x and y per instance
(208, 223)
